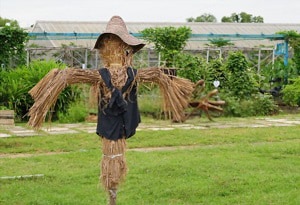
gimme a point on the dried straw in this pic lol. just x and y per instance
(46, 92)
(113, 164)
(176, 91)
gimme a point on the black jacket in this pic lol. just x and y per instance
(118, 117)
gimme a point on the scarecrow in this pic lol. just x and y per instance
(115, 86)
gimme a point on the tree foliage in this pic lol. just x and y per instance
(6, 22)
(12, 44)
(242, 17)
(206, 17)
(168, 41)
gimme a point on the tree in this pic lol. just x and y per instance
(168, 41)
(242, 17)
(12, 44)
(190, 19)
(220, 42)
(206, 17)
(257, 19)
(4, 22)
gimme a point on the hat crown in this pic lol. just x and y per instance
(117, 26)
(116, 22)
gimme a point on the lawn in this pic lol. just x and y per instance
(211, 166)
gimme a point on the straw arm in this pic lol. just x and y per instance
(175, 91)
(47, 90)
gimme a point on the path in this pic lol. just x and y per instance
(23, 130)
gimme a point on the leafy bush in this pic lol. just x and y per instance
(291, 93)
(232, 106)
(264, 105)
(190, 67)
(15, 85)
(240, 82)
(216, 71)
(259, 105)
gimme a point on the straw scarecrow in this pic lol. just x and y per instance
(116, 87)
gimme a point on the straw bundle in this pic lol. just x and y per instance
(46, 92)
(113, 164)
(175, 91)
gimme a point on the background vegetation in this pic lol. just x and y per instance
(245, 91)
(241, 17)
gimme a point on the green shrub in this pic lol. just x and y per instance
(259, 105)
(216, 71)
(264, 105)
(232, 106)
(291, 93)
(240, 82)
(16, 83)
(190, 67)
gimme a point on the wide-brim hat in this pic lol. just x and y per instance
(117, 26)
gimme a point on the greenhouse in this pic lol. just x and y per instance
(72, 42)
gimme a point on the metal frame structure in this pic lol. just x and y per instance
(194, 37)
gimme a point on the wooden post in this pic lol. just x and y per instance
(112, 197)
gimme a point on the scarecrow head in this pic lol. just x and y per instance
(116, 46)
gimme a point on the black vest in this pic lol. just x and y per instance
(119, 117)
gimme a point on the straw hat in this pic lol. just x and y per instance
(117, 26)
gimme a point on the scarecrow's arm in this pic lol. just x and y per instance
(47, 90)
(176, 91)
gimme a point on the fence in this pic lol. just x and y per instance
(79, 57)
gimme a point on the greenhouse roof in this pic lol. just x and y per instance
(56, 33)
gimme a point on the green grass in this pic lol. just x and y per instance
(218, 166)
